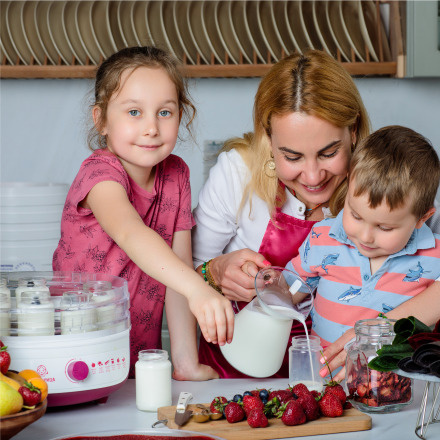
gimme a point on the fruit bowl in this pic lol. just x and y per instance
(14, 423)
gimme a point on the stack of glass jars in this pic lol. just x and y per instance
(370, 390)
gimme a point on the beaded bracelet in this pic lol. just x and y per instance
(207, 276)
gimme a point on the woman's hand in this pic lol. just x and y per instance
(235, 273)
(335, 356)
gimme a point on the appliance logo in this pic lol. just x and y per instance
(42, 371)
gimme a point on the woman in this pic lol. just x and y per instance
(268, 188)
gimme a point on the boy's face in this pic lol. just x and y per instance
(377, 232)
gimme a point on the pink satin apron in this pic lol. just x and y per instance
(280, 244)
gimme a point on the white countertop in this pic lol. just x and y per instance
(120, 413)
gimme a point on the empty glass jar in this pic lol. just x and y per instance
(370, 390)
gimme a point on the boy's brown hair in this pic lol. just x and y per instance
(396, 164)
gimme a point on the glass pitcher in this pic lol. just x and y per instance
(262, 328)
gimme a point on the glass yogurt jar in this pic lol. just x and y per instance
(370, 390)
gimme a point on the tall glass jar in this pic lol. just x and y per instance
(153, 380)
(304, 365)
(370, 390)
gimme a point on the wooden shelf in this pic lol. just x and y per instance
(390, 55)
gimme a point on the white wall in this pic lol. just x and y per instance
(44, 122)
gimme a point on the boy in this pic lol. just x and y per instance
(378, 252)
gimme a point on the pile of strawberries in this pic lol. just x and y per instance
(294, 406)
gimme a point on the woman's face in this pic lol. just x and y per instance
(311, 155)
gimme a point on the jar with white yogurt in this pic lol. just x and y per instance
(153, 380)
(104, 300)
(37, 284)
(36, 314)
(77, 313)
(5, 313)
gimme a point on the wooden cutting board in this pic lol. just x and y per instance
(351, 420)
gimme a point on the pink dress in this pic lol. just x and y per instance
(85, 247)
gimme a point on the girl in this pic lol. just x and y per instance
(128, 211)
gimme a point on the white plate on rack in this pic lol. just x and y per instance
(295, 26)
(126, 23)
(226, 31)
(306, 17)
(5, 41)
(40, 20)
(254, 31)
(71, 32)
(181, 25)
(169, 31)
(369, 29)
(349, 15)
(322, 28)
(155, 25)
(101, 28)
(14, 12)
(279, 20)
(335, 26)
(30, 31)
(210, 29)
(84, 28)
(141, 29)
(114, 25)
(236, 13)
(56, 31)
(268, 31)
(194, 19)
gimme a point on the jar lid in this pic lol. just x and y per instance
(375, 327)
(153, 355)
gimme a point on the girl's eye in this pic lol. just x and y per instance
(292, 159)
(164, 113)
(134, 112)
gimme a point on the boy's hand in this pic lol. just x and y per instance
(214, 314)
(335, 356)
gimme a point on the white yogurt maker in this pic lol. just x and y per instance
(72, 328)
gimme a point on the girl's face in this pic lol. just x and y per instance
(311, 155)
(142, 120)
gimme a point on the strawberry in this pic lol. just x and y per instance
(218, 404)
(336, 389)
(31, 395)
(330, 405)
(5, 359)
(257, 419)
(300, 390)
(234, 412)
(292, 413)
(252, 402)
(282, 395)
(316, 394)
(310, 406)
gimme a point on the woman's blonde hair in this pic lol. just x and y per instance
(108, 81)
(313, 83)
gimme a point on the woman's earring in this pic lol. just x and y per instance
(270, 168)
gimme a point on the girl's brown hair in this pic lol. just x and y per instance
(108, 81)
(313, 83)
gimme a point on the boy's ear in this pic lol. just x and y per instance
(96, 114)
(425, 217)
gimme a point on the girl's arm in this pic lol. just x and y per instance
(425, 307)
(110, 205)
(182, 324)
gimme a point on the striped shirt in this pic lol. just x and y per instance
(346, 291)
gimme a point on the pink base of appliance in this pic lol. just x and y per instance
(73, 398)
